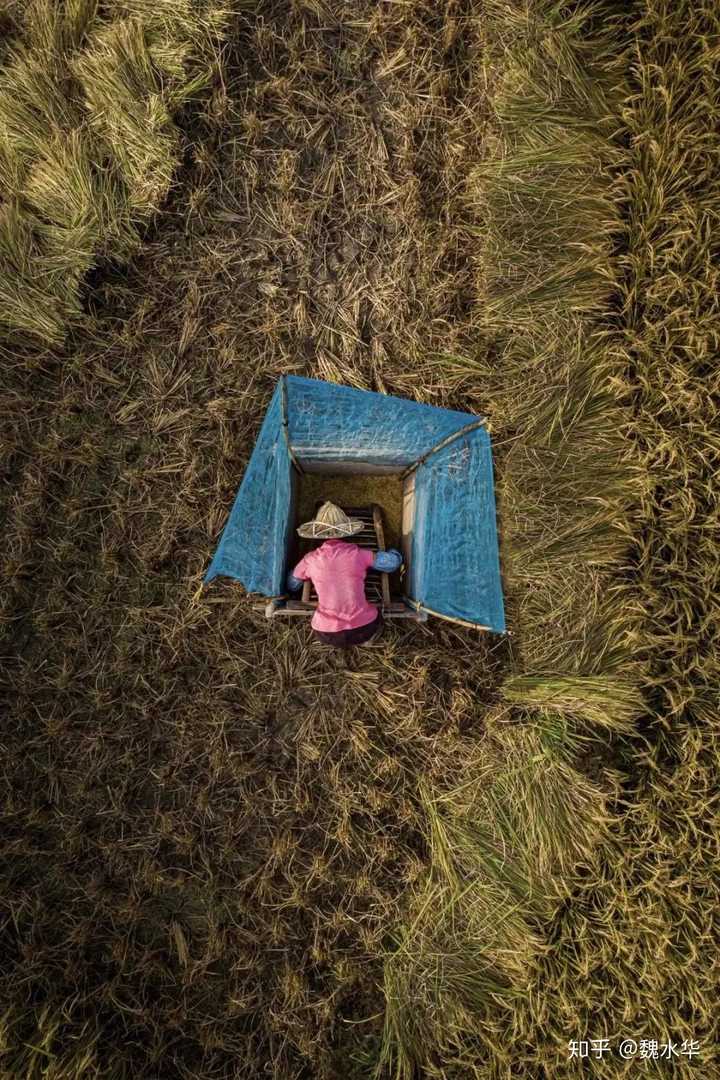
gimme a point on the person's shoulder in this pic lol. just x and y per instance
(361, 554)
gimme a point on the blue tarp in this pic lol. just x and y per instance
(454, 567)
(253, 544)
(333, 423)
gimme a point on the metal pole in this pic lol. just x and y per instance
(451, 618)
(443, 442)
(284, 418)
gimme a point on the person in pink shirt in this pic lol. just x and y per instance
(337, 569)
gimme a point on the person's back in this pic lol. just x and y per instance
(337, 569)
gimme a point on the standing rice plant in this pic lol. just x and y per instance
(617, 642)
(24, 295)
(511, 845)
(549, 217)
(570, 483)
(125, 106)
(89, 144)
(9, 22)
(503, 843)
(600, 702)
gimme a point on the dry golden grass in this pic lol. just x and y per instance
(89, 93)
(211, 822)
(603, 492)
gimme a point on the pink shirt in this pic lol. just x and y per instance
(337, 569)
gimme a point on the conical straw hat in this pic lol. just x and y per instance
(330, 522)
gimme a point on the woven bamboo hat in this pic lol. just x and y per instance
(330, 522)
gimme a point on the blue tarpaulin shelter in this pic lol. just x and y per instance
(449, 533)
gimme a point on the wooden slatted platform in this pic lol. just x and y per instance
(376, 583)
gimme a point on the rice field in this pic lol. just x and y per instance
(229, 853)
(89, 94)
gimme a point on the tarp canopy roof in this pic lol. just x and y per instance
(454, 566)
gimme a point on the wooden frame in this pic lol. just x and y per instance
(380, 533)
(306, 606)
(397, 609)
